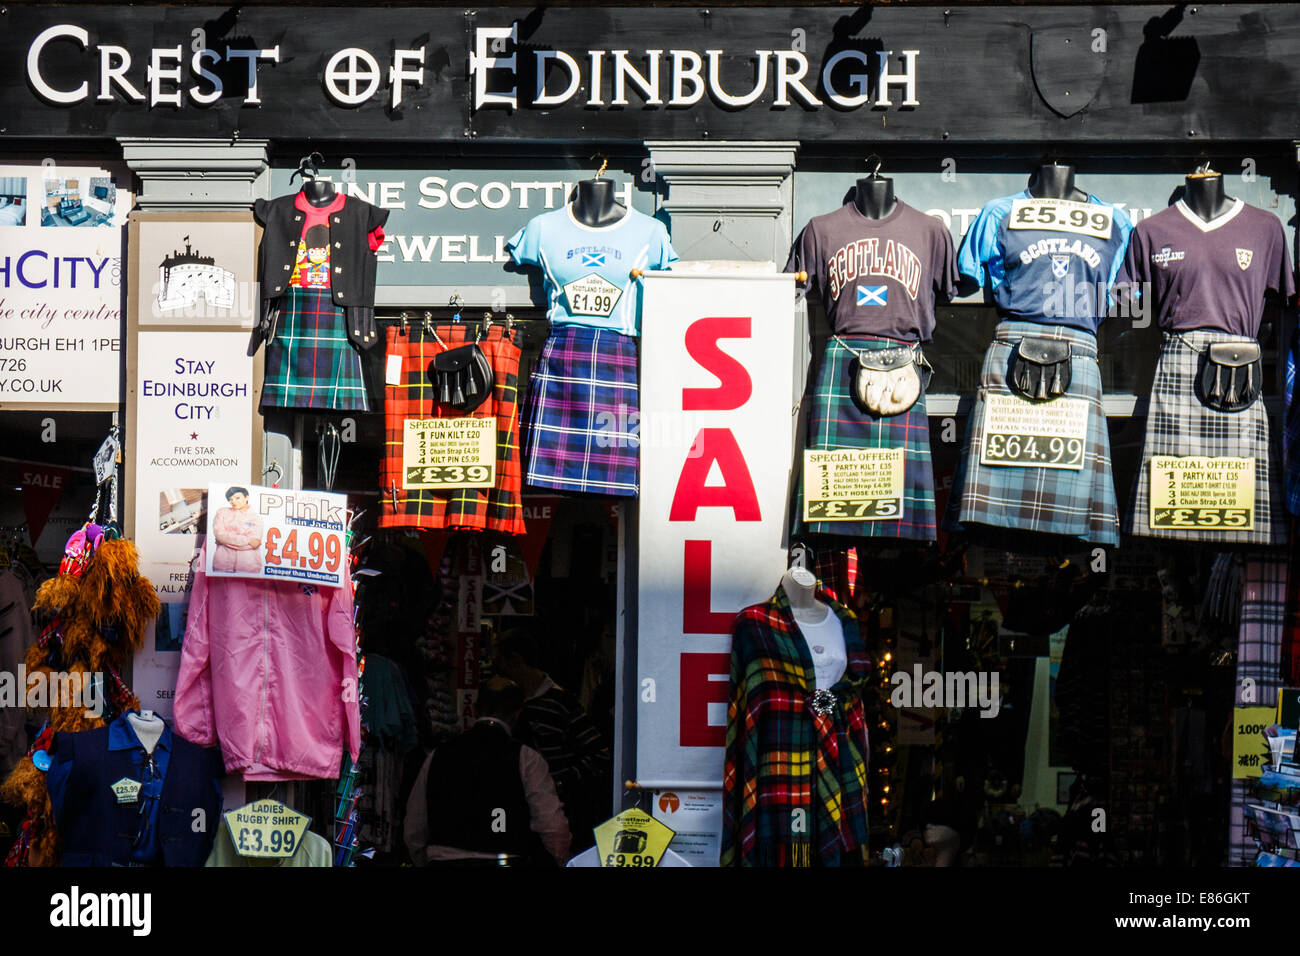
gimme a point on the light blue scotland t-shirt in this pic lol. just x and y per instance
(588, 271)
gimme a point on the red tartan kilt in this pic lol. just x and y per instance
(467, 509)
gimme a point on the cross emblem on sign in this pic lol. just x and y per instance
(353, 66)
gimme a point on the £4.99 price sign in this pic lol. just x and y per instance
(273, 533)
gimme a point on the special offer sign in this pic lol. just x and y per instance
(717, 407)
(277, 534)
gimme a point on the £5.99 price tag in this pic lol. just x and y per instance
(449, 453)
(1062, 215)
(1189, 494)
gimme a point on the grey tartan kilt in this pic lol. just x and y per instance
(1179, 424)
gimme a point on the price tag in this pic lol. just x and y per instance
(1188, 494)
(393, 370)
(266, 828)
(449, 453)
(291, 535)
(592, 295)
(864, 484)
(127, 790)
(1062, 215)
(1027, 434)
(1249, 747)
(633, 838)
(104, 460)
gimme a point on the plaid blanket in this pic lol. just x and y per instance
(311, 363)
(836, 422)
(583, 423)
(1179, 424)
(1077, 504)
(781, 758)
(499, 508)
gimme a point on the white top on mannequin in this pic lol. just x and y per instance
(148, 729)
(819, 626)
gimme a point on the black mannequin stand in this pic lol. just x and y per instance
(1203, 194)
(1054, 181)
(319, 192)
(875, 197)
(594, 204)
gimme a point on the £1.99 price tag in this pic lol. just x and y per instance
(633, 838)
(442, 453)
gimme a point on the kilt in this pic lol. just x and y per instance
(836, 422)
(499, 508)
(1179, 424)
(311, 363)
(1059, 501)
(583, 430)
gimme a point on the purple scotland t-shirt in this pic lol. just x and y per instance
(1209, 275)
(878, 276)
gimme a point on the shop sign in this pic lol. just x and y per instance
(277, 534)
(717, 383)
(61, 285)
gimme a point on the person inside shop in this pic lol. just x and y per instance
(554, 722)
(238, 530)
(483, 796)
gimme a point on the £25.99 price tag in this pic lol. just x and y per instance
(1062, 215)
(862, 484)
(449, 453)
(1191, 494)
(1025, 434)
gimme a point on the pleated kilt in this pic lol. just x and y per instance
(1073, 503)
(583, 431)
(1179, 424)
(311, 363)
(835, 422)
(499, 508)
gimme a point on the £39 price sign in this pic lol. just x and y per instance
(273, 533)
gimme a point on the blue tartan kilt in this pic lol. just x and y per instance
(311, 363)
(1073, 503)
(835, 422)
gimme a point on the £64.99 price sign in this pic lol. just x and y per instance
(277, 534)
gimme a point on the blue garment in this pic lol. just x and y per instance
(587, 271)
(154, 827)
(1053, 273)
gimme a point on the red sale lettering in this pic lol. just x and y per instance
(697, 592)
(703, 682)
(734, 384)
(737, 492)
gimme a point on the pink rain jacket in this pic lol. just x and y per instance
(269, 671)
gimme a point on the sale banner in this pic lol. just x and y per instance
(277, 534)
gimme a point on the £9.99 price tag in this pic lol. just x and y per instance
(1025, 434)
(632, 839)
(1062, 215)
(1191, 493)
(449, 453)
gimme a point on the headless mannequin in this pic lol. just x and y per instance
(819, 626)
(875, 196)
(319, 192)
(594, 204)
(148, 728)
(1054, 181)
(1203, 194)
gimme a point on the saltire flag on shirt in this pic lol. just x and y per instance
(873, 294)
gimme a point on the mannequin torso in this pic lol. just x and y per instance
(875, 197)
(1204, 195)
(148, 729)
(319, 192)
(1054, 181)
(594, 204)
(819, 626)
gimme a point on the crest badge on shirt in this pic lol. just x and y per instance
(873, 295)
(1243, 258)
(1060, 266)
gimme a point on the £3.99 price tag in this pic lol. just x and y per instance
(442, 453)
(1025, 434)
(633, 838)
(266, 828)
(1189, 494)
(1062, 215)
(862, 484)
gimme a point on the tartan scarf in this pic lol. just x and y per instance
(795, 782)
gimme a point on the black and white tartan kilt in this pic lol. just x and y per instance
(1179, 424)
(1076, 504)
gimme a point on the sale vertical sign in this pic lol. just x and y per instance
(717, 406)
